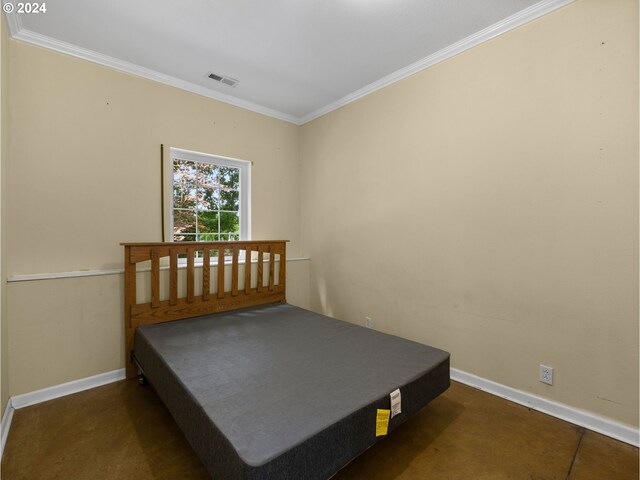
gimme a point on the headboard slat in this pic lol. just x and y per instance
(247, 271)
(155, 279)
(260, 266)
(173, 277)
(220, 273)
(234, 273)
(283, 268)
(206, 273)
(272, 268)
(191, 278)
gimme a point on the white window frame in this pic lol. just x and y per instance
(172, 153)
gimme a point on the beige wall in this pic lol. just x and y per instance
(489, 206)
(85, 176)
(4, 191)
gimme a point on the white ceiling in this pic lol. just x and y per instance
(294, 59)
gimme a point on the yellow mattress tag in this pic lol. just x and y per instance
(382, 422)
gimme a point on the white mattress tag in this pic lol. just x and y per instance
(395, 403)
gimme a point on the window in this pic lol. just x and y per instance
(208, 197)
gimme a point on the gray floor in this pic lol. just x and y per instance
(122, 431)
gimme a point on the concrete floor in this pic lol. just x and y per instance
(122, 431)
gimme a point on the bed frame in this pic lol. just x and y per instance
(255, 291)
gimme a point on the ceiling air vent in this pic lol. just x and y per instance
(232, 82)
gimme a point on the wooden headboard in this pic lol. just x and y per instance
(251, 288)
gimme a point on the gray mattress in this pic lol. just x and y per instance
(280, 392)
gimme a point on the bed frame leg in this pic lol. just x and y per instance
(142, 379)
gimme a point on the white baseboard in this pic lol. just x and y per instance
(63, 389)
(5, 426)
(605, 426)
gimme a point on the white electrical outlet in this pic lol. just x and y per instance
(546, 374)
(368, 322)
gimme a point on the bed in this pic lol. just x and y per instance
(263, 389)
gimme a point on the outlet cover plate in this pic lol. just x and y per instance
(546, 374)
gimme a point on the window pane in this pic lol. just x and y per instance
(207, 222)
(184, 238)
(229, 237)
(208, 199)
(208, 175)
(183, 170)
(184, 221)
(208, 237)
(229, 223)
(208, 185)
(229, 177)
(230, 200)
(183, 197)
(184, 184)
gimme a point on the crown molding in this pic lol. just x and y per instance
(533, 12)
(14, 21)
(70, 49)
(528, 14)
